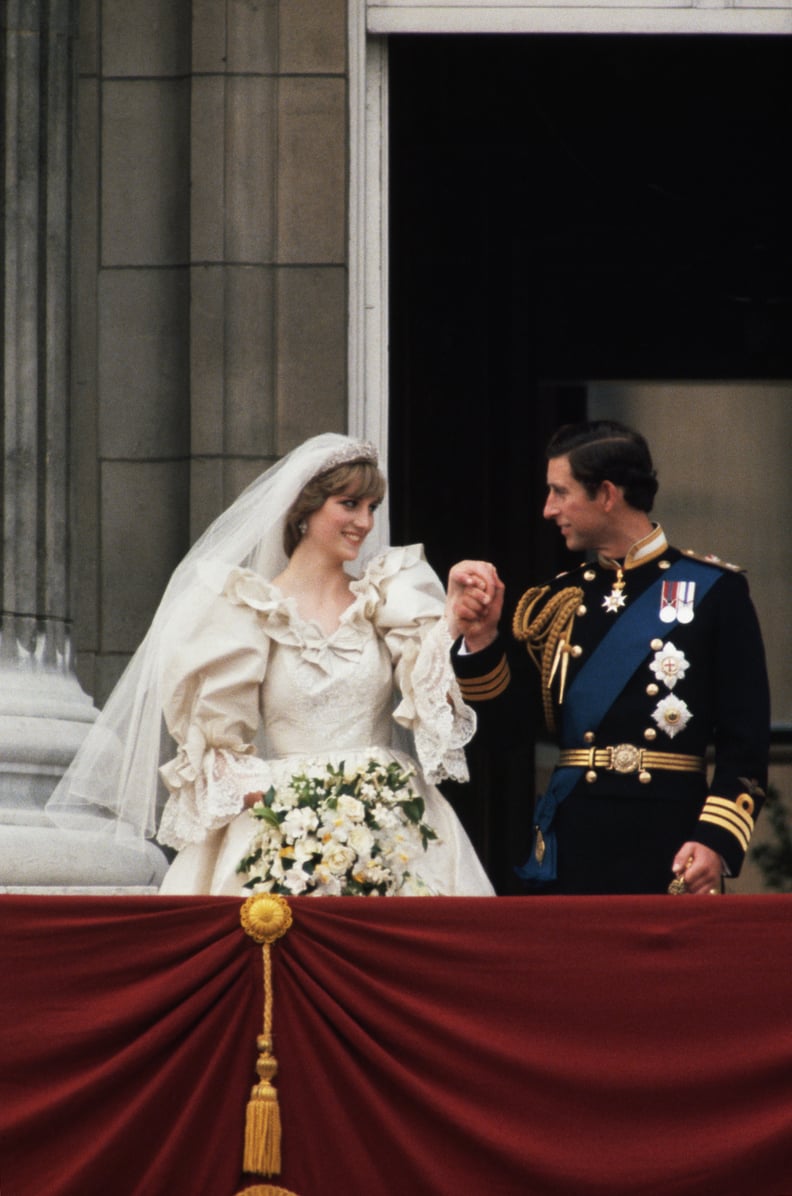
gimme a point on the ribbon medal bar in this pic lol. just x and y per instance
(676, 601)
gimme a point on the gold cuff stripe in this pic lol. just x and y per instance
(723, 808)
(727, 825)
(491, 685)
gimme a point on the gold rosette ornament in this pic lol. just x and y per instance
(265, 917)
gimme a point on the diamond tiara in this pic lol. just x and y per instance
(355, 450)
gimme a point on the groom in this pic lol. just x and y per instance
(643, 658)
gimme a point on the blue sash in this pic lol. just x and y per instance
(592, 693)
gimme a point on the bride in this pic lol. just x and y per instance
(279, 673)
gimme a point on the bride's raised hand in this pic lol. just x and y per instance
(474, 602)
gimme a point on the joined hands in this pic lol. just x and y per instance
(474, 603)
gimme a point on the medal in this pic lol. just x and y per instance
(669, 665)
(676, 601)
(614, 601)
(672, 715)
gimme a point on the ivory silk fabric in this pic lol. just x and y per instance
(257, 674)
(541, 1046)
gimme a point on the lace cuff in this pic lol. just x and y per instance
(212, 799)
(432, 706)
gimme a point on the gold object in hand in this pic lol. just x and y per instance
(678, 885)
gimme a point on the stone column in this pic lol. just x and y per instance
(44, 714)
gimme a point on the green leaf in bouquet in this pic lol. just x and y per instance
(265, 814)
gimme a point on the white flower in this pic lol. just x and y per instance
(400, 850)
(276, 869)
(671, 715)
(328, 831)
(376, 874)
(296, 881)
(334, 828)
(386, 818)
(306, 849)
(349, 807)
(299, 821)
(361, 840)
(325, 882)
(669, 665)
(338, 858)
(286, 798)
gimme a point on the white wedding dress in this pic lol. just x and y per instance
(258, 693)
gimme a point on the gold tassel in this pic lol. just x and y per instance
(265, 917)
(265, 1190)
(263, 1122)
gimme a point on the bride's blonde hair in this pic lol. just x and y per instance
(359, 479)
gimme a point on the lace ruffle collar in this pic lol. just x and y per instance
(286, 626)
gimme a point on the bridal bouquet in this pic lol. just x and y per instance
(337, 833)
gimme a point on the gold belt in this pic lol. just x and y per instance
(626, 758)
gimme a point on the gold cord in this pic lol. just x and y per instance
(265, 917)
(547, 636)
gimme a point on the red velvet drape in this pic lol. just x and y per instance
(438, 1047)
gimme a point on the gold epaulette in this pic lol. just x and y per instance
(546, 634)
(491, 685)
(710, 559)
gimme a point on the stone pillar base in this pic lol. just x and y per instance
(40, 857)
(44, 717)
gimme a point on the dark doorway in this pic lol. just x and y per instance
(567, 208)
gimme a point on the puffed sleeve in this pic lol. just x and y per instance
(407, 608)
(211, 685)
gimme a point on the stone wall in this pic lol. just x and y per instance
(210, 280)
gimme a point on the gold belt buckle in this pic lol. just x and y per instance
(625, 758)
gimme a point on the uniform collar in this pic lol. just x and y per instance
(648, 548)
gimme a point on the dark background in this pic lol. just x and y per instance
(563, 209)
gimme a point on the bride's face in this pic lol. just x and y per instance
(341, 524)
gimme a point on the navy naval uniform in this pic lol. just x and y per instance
(682, 671)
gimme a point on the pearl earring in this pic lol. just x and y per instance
(302, 526)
